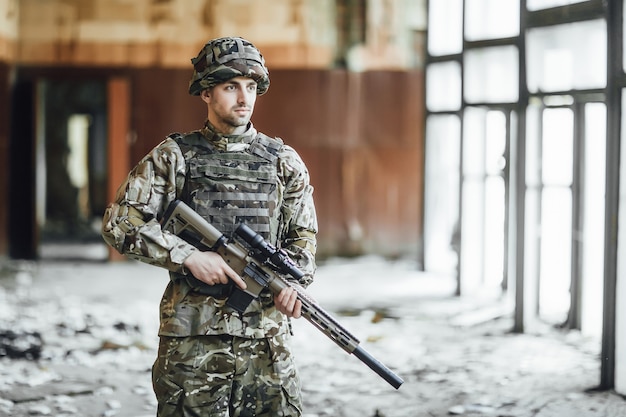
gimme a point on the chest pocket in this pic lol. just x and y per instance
(229, 188)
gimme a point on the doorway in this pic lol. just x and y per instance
(71, 168)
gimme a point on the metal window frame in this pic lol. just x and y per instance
(612, 12)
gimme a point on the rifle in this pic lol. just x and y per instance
(260, 265)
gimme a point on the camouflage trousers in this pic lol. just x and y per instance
(219, 376)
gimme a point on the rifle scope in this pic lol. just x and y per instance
(264, 251)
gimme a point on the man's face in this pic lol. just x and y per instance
(230, 104)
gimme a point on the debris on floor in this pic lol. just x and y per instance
(79, 339)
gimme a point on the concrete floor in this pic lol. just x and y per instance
(98, 322)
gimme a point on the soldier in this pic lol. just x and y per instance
(213, 361)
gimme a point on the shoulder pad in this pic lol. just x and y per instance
(266, 147)
(176, 136)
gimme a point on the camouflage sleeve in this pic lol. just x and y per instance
(131, 223)
(299, 220)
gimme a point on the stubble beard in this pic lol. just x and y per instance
(234, 121)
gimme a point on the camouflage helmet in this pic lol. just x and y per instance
(224, 58)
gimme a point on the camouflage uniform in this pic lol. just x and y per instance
(213, 361)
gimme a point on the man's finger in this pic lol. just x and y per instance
(236, 278)
(297, 310)
(287, 302)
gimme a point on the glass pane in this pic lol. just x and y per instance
(557, 147)
(445, 25)
(531, 254)
(593, 221)
(443, 86)
(494, 231)
(496, 142)
(472, 236)
(546, 4)
(491, 75)
(473, 203)
(567, 57)
(474, 142)
(556, 250)
(441, 194)
(557, 159)
(490, 19)
(495, 163)
(484, 141)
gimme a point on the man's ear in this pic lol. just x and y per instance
(206, 95)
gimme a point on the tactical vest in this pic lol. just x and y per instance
(228, 188)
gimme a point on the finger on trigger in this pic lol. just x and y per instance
(239, 281)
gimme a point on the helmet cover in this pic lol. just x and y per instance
(224, 58)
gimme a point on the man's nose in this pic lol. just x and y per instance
(242, 97)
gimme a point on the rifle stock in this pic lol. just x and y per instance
(259, 264)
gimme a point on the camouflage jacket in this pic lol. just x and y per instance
(131, 226)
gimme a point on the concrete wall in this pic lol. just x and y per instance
(141, 33)
(8, 29)
(292, 33)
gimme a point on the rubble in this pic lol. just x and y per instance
(83, 338)
(15, 345)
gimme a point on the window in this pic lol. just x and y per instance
(441, 196)
(445, 27)
(490, 19)
(567, 57)
(443, 86)
(491, 75)
(546, 4)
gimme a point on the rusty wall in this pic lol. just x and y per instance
(160, 105)
(359, 132)
(361, 135)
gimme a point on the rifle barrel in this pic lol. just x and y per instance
(378, 367)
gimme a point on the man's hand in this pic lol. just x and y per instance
(287, 302)
(210, 268)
